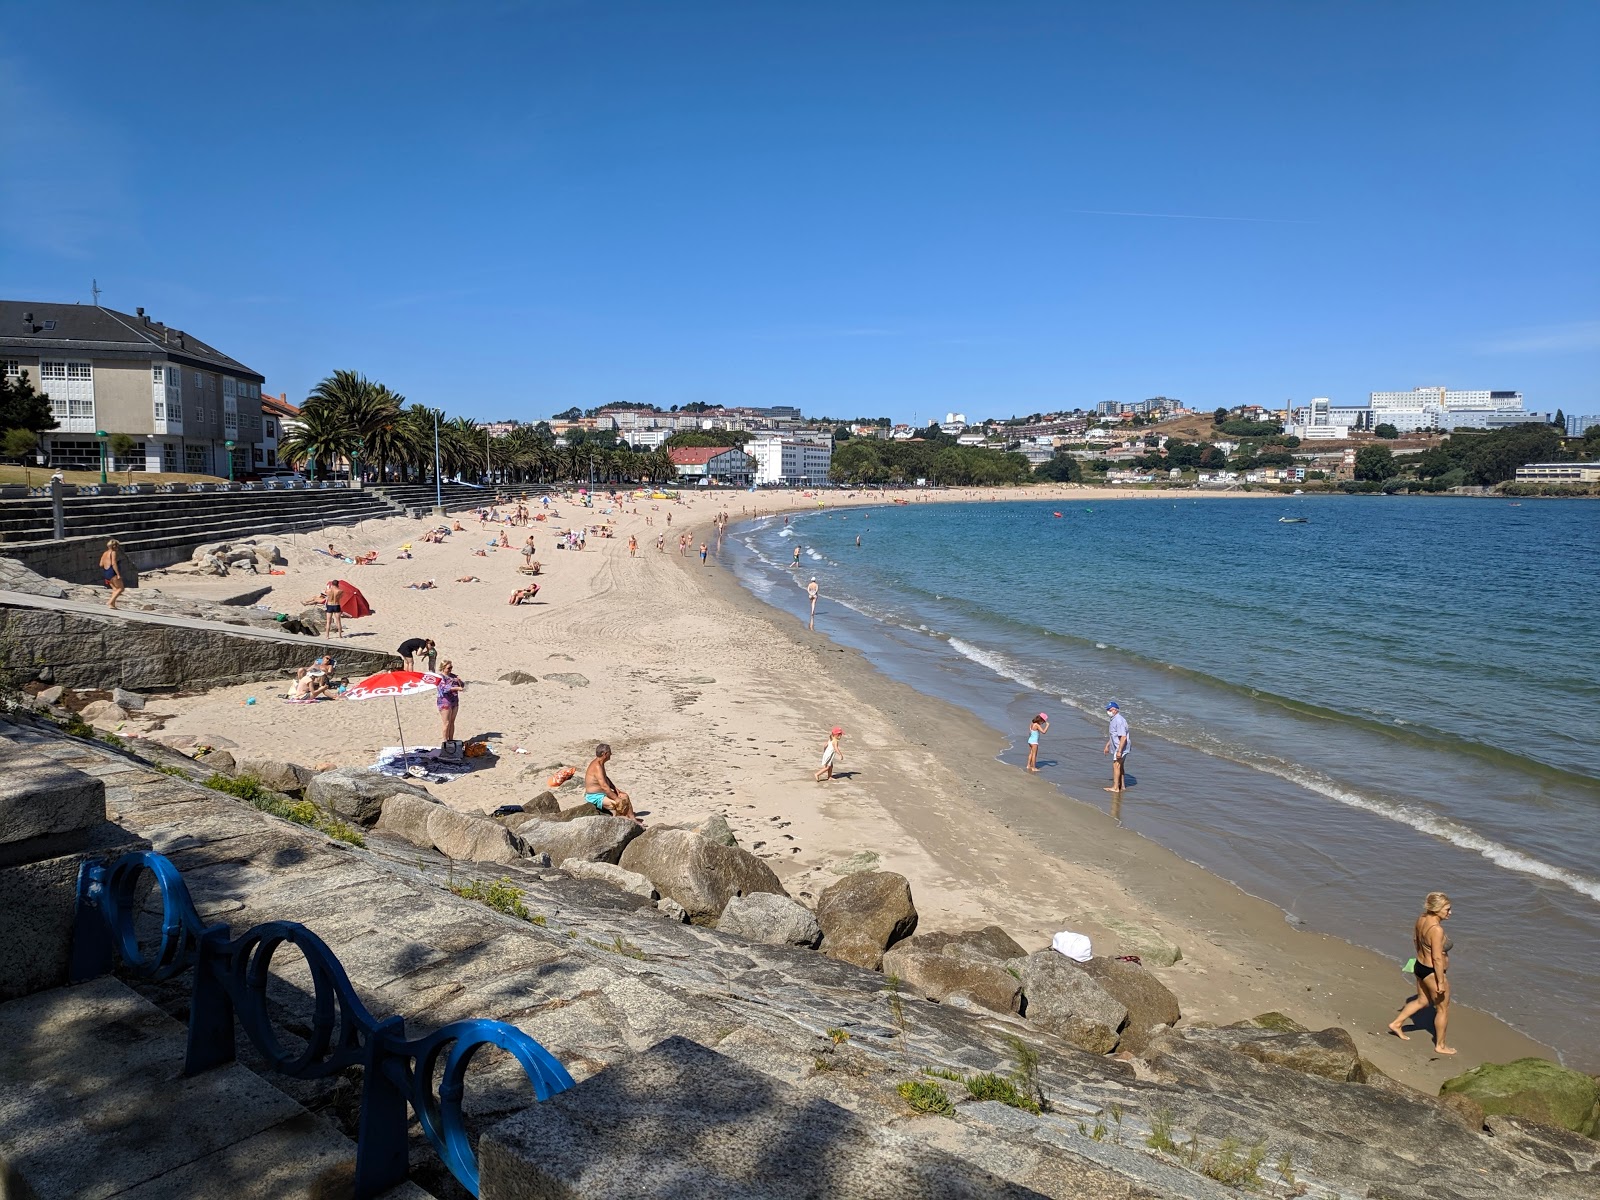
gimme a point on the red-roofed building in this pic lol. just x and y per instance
(706, 465)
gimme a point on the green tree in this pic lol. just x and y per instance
(707, 437)
(1387, 430)
(19, 443)
(1218, 417)
(1560, 421)
(572, 414)
(841, 433)
(121, 446)
(23, 408)
(1061, 468)
(1374, 463)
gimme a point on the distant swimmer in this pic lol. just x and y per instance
(858, 541)
(811, 591)
(1039, 724)
(1429, 965)
(1117, 745)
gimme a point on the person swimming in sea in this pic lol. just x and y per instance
(1429, 966)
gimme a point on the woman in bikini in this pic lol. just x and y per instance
(1433, 958)
(449, 699)
(111, 571)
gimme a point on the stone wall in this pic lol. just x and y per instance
(148, 653)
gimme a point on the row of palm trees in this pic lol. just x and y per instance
(352, 422)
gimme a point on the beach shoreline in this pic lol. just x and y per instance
(716, 700)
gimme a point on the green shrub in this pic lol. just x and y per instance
(990, 1086)
(243, 787)
(500, 896)
(1226, 1165)
(302, 812)
(1161, 1133)
(926, 1098)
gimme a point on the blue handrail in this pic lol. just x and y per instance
(230, 980)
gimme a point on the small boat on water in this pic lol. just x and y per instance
(1293, 520)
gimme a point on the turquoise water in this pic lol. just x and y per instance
(1396, 696)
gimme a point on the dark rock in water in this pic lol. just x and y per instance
(1149, 1001)
(770, 919)
(1535, 1088)
(1067, 1001)
(357, 794)
(952, 971)
(1330, 1053)
(697, 873)
(864, 914)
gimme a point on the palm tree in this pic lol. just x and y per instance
(321, 435)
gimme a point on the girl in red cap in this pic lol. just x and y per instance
(831, 754)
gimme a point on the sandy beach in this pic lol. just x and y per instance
(715, 702)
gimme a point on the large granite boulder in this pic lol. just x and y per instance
(406, 816)
(770, 919)
(103, 714)
(954, 973)
(864, 914)
(475, 839)
(600, 839)
(1535, 1088)
(1330, 1053)
(220, 761)
(991, 942)
(609, 873)
(1150, 1003)
(697, 873)
(286, 777)
(357, 794)
(715, 827)
(544, 804)
(1067, 1001)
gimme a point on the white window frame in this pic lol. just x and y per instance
(11, 368)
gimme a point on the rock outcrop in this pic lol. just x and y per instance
(770, 919)
(599, 838)
(1534, 1088)
(357, 794)
(699, 874)
(1330, 1053)
(286, 777)
(612, 875)
(864, 914)
(1069, 1002)
(1150, 1003)
(954, 973)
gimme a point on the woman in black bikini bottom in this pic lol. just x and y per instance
(1430, 967)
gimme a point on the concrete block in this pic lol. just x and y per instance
(693, 1122)
(39, 797)
(36, 906)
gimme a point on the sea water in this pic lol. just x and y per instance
(1397, 696)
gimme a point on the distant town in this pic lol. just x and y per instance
(88, 388)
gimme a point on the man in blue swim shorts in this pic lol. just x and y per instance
(599, 791)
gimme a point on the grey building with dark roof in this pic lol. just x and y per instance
(181, 400)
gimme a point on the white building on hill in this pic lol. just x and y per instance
(790, 462)
(1441, 408)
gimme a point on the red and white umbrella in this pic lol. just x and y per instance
(392, 685)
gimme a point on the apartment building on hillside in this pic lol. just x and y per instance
(186, 405)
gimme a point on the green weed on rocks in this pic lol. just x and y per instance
(302, 812)
(500, 896)
(926, 1097)
(990, 1086)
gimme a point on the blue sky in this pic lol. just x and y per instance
(894, 208)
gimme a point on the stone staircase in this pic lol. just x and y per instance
(418, 499)
(94, 1104)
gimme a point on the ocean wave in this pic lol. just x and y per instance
(999, 664)
(1436, 826)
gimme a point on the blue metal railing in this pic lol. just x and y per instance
(230, 980)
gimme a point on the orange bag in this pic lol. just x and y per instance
(560, 777)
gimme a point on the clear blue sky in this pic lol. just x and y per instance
(900, 208)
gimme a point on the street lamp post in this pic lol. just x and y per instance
(438, 486)
(355, 463)
(229, 447)
(102, 435)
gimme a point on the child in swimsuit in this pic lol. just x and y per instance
(1040, 724)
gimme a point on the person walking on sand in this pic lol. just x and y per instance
(448, 699)
(1039, 724)
(832, 755)
(1117, 745)
(111, 571)
(811, 591)
(702, 554)
(333, 610)
(1429, 965)
(599, 791)
(633, 546)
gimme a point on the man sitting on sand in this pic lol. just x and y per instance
(599, 791)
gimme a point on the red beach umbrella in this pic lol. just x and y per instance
(351, 602)
(392, 685)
